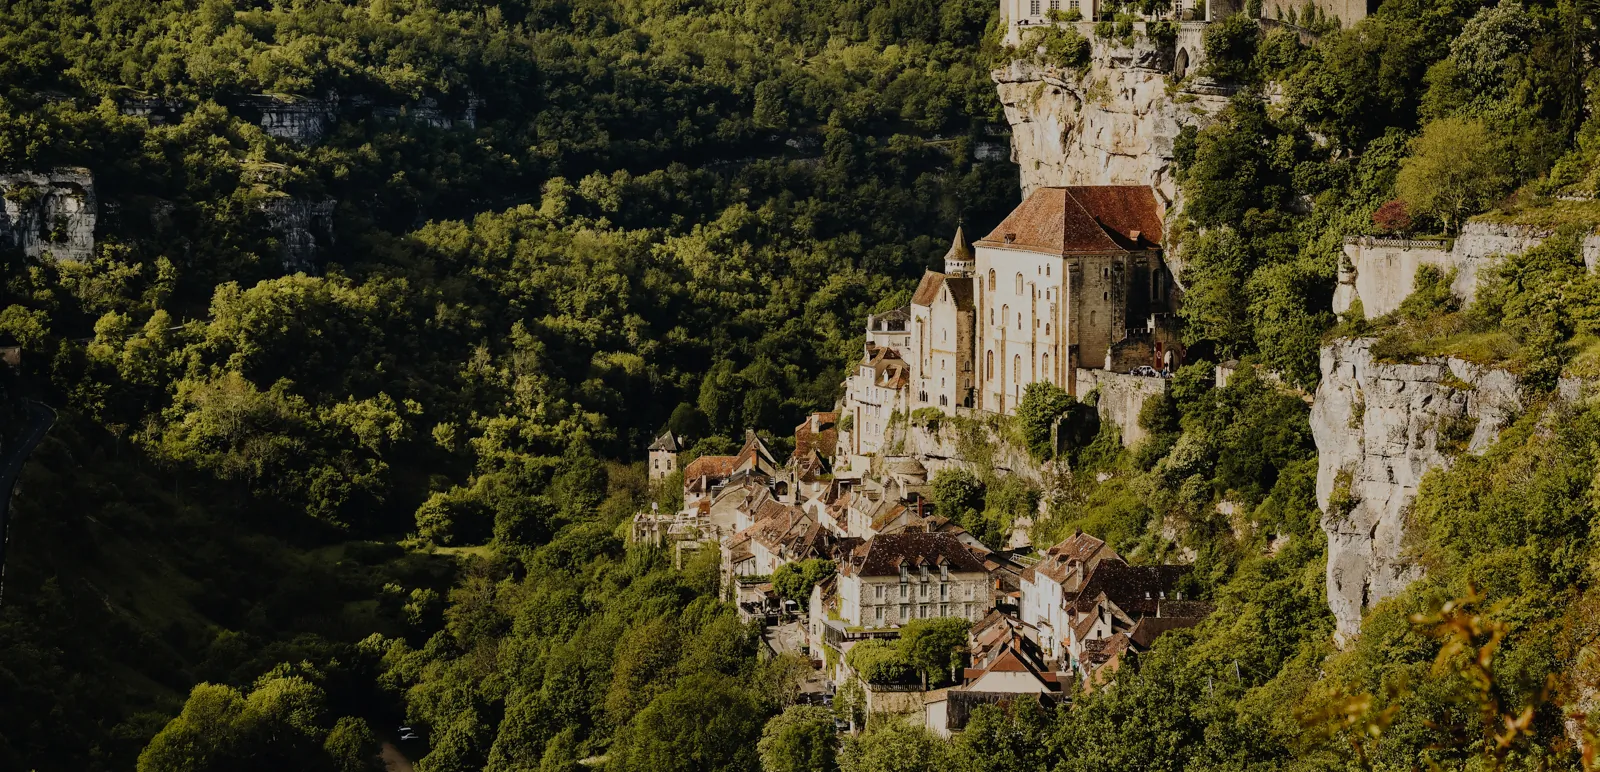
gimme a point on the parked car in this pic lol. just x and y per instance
(409, 736)
(1144, 370)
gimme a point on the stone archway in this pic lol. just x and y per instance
(1180, 64)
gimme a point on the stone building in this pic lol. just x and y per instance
(1073, 277)
(895, 578)
(874, 394)
(940, 349)
(664, 456)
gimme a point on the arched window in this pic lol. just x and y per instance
(1019, 283)
(1047, 328)
(988, 365)
(991, 280)
(1016, 368)
(1047, 270)
(1044, 366)
(1092, 315)
(1019, 320)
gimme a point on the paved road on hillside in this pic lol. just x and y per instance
(40, 419)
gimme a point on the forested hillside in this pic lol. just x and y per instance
(660, 207)
(284, 512)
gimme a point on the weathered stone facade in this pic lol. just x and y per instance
(49, 212)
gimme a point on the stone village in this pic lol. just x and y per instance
(1070, 289)
(1073, 289)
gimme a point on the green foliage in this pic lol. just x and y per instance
(282, 722)
(704, 723)
(800, 739)
(1059, 46)
(793, 581)
(1041, 406)
(880, 662)
(893, 747)
(934, 647)
(1455, 169)
(1231, 48)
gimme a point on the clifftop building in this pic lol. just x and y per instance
(1073, 278)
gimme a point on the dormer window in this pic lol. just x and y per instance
(944, 573)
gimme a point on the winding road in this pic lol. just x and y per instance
(40, 419)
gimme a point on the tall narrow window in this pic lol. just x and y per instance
(1016, 368)
(988, 365)
(1033, 7)
(1019, 283)
(1044, 365)
(991, 280)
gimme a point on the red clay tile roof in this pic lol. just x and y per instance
(824, 441)
(927, 289)
(884, 554)
(1084, 218)
(1058, 561)
(719, 467)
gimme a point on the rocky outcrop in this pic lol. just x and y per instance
(1380, 272)
(1119, 398)
(1114, 123)
(299, 120)
(1379, 428)
(299, 224)
(939, 445)
(49, 212)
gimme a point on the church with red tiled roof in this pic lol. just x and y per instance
(1073, 277)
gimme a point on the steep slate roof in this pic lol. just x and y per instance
(927, 289)
(961, 292)
(666, 442)
(884, 554)
(1136, 590)
(1081, 219)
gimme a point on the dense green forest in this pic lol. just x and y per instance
(282, 513)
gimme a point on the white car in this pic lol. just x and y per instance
(409, 736)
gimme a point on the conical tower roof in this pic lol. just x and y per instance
(959, 249)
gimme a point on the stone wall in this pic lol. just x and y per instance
(1380, 272)
(1379, 428)
(49, 212)
(1121, 397)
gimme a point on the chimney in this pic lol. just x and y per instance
(816, 423)
(1134, 235)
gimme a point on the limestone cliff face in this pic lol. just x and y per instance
(1113, 124)
(1380, 427)
(302, 227)
(49, 212)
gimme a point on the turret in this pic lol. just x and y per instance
(958, 261)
